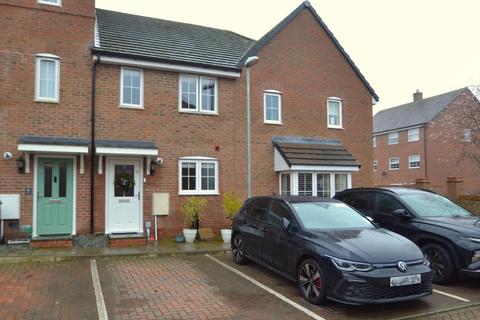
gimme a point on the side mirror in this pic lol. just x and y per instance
(401, 213)
(286, 224)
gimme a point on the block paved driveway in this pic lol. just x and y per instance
(195, 287)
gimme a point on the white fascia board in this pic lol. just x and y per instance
(168, 66)
(126, 151)
(325, 168)
(46, 148)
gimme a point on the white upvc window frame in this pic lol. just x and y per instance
(393, 138)
(375, 165)
(294, 181)
(198, 90)
(391, 162)
(280, 191)
(273, 93)
(410, 161)
(130, 105)
(413, 134)
(52, 58)
(198, 175)
(340, 113)
(374, 142)
(58, 3)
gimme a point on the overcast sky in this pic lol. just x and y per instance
(399, 45)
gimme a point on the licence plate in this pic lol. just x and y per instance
(405, 280)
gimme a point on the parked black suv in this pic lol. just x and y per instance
(330, 250)
(448, 234)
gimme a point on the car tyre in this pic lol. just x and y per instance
(238, 251)
(441, 263)
(311, 281)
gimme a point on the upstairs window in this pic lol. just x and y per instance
(334, 113)
(394, 163)
(413, 135)
(47, 74)
(198, 176)
(272, 106)
(51, 2)
(374, 142)
(467, 135)
(198, 94)
(131, 88)
(393, 137)
(414, 162)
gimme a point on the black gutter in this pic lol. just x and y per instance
(92, 146)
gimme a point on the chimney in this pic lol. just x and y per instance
(417, 96)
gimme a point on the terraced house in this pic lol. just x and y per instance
(111, 117)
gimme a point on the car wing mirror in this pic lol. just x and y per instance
(401, 213)
(285, 224)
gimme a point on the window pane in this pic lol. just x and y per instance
(285, 184)
(334, 113)
(208, 176)
(51, 88)
(272, 107)
(127, 78)
(323, 185)
(136, 79)
(131, 87)
(189, 92)
(62, 180)
(188, 176)
(341, 182)
(47, 79)
(124, 174)
(135, 96)
(305, 184)
(47, 183)
(208, 94)
(127, 95)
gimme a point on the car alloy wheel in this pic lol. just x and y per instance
(311, 281)
(237, 250)
(440, 263)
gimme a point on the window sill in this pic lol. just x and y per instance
(336, 127)
(199, 193)
(131, 106)
(392, 144)
(413, 168)
(393, 169)
(205, 113)
(50, 4)
(55, 101)
(273, 123)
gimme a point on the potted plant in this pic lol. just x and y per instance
(192, 209)
(231, 206)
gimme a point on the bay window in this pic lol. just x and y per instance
(321, 184)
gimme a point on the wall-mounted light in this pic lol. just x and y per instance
(20, 165)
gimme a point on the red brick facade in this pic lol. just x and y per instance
(306, 75)
(441, 157)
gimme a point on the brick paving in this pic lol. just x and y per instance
(181, 288)
(47, 291)
(472, 313)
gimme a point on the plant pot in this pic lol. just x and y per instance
(226, 235)
(189, 234)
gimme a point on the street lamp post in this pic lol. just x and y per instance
(250, 62)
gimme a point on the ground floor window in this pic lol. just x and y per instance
(321, 184)
(198, 176)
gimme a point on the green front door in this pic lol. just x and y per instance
(54, 196)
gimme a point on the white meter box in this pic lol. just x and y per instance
(161, 204)
(10, 207)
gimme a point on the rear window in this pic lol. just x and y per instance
(329, 215)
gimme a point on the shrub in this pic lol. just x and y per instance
(231, 204)
(192, 210)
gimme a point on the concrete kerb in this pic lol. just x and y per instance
(439, 311)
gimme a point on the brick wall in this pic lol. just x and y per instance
(383, 151)
(29, 28)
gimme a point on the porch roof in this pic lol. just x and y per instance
(300, 153)
(125, 147)
(50, 144)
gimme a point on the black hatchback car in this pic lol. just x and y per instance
(448, 234)
(330, 250)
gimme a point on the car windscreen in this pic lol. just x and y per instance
(433, 205)
(329, 215)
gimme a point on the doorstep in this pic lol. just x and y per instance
(161, 248)
(53, 241)
(126, 240)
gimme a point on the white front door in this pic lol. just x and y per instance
(124, 195)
